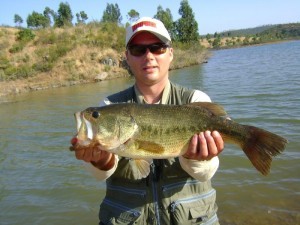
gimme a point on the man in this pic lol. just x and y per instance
(178, 190)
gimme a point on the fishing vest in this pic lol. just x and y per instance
(168, 196)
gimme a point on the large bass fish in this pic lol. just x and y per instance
(144, 132)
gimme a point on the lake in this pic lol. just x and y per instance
(42, 182)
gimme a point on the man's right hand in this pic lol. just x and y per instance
(101, 159)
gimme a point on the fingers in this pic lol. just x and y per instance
(218, 140)
(205, 146)
(193, 147)
(211, 149)
(90, 154)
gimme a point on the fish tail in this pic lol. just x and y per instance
(260, 146)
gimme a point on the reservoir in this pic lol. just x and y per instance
(42, 182)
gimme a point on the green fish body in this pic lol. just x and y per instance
(145, 132)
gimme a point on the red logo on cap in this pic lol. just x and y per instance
(143, 23)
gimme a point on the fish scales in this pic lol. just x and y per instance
(164, 131)
(156, 125)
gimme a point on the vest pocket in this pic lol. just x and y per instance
(114, 213)
(198, 209)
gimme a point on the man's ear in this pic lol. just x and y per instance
(127, 58)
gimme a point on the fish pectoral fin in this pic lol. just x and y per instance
(142, 167)
(216, 109)
(147, 147)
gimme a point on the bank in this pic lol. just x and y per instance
(107, 68)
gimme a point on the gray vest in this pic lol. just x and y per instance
(167, 196)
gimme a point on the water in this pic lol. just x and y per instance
(41, 182)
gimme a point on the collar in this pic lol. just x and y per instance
(163, 100)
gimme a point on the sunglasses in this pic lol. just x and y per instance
(139, 50)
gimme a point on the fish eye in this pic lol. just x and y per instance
(95, 114)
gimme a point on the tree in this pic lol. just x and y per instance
(133, 15)
(81, 17)
(186, 26)
(217, 42)
(64, 15)
(37, 20)
(112, 14)
(166, 17)
(48, 13)
(18, 20)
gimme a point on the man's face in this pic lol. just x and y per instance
(149, 68)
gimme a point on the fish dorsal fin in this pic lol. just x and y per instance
(214, 108)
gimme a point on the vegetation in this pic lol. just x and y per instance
(51, 39)
(18, 20)
(186, 26)
(53, 52)
(133, 15)
(246, 31)
(112, 14)
(37, 20)
(166, 17)
(64, 15)
(252, 36)
(81, 17)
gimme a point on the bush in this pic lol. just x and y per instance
(25, 35)
(4, 45)
(105, 35)
(43, 66)
(2, 75)
(48, 56)
(4, 62)
(13, 73)
(17, 47)
(46, 38)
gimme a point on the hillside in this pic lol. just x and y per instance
(250, 36)
(54, 57)
(282, 31)
(247, 31)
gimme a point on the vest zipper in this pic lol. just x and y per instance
(191, 199)
(133, 212)
(127, 190)
(155, 178)
(179, 184)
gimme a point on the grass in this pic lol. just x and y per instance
(64, 56)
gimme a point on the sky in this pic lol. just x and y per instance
(212, 15)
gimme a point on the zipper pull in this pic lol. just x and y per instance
(173, 207)
(154, 172)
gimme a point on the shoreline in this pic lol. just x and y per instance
(37, 83)
(47, 81)
(17, 87)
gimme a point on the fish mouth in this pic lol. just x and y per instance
(84, 134)
(84, 127)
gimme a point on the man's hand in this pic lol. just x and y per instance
(205, 146)
(103, 160)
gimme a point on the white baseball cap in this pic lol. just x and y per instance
(149, 24)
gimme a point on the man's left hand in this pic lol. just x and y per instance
(205, 145)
